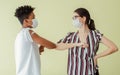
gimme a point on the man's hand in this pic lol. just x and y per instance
(41, 49)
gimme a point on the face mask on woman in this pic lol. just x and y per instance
(77, 23)
(34, 23)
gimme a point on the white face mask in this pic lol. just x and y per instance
(77, 23)
(34, 23)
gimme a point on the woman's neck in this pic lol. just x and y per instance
(84, 29)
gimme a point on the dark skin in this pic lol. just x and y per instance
(41, 49)
(27, 23)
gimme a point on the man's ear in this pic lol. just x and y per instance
(26, 22)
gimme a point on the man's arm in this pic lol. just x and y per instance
(42, 41)
(41, 49)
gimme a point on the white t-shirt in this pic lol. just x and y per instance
(26, 54)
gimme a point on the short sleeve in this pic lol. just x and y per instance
(66, 39)
(99, 35)
(28, 36)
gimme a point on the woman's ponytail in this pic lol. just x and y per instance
(91, 24)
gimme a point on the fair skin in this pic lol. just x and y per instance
(27, 23)
(83, 33)
(63, 46)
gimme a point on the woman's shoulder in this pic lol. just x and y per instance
(96, 31)
(71, 33)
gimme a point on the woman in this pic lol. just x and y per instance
(82, 60)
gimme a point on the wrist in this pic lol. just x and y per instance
(79, 44)
(96, 57)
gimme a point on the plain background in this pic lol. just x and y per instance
(55, 21)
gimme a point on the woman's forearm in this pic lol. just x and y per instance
(63, 46)
(107, 52)
(111, 47)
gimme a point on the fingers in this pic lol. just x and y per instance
(41, 49)
(85, 45)
(95, 61)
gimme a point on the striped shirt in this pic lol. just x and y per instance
(80, 60)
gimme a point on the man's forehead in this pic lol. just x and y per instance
(32, 15)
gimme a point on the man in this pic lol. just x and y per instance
(26, 44)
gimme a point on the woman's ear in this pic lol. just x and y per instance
(84, 18)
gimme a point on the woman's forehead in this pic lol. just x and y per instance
(75, 14)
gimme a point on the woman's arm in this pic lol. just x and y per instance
(111, 48)
(63, 46)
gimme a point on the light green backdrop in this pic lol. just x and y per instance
(55, 20)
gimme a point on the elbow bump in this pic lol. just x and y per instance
(52, 47)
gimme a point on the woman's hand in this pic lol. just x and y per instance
(82, 44)
(95, 61)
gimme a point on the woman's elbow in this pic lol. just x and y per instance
(114, 49)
